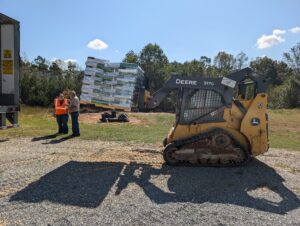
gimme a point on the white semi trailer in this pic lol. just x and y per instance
(9, 71)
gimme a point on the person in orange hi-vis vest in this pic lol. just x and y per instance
(61, 113)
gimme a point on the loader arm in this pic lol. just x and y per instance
(224, 86)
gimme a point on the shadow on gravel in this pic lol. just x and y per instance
(83, 184)
(51, 136)
(86, 184)
(54, 141)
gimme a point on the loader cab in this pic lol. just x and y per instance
(245, 92)
(207, 104)
(199, 106)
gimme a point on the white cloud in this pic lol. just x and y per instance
(295, 30)
(63, 64)
(97, 44)
(267, 41)
(70, 60)
(279, 32)
(54, 59)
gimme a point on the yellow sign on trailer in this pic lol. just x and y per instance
(8, 67)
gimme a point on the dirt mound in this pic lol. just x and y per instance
(89, 117)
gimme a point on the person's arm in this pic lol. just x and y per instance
(68, 104)
(72, 104)
(53, 108)
(77, 102)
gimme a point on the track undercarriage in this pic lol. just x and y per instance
(214, 148)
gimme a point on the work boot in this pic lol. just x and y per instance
(75, 135)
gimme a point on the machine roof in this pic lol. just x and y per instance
(7, 20)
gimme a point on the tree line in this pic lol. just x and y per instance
(284, 75)
(41, 81)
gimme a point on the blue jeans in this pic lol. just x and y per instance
(75, 124)
(62, 122)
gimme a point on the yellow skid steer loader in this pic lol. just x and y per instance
(219, 121)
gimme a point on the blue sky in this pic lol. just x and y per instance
(185, 29)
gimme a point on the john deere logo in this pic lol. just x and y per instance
(186, 82)
(255, 121)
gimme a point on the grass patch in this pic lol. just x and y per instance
(37, 121)
(285, 128)
(153, 127)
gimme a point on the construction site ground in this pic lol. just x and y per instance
(94, 182)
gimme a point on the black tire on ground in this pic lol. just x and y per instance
(168, 154)
(123, 118)
(165, 142)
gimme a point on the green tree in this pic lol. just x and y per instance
(40, 63)
(40, 85)
(54, 69)
(38, 91)
(276, 71)
(206, 60)
(73, 78)
(25, 74)
(131, 57)
(293, 93)
(277, 96)
(293, 59)
(194, 68)
(284, 89)
(240, 60)
(154, 62)
(224, 63)
(176, 68)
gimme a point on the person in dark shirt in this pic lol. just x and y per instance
(74, 112)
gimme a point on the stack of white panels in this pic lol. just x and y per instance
(112, 84)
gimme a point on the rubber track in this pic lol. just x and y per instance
(179, 143)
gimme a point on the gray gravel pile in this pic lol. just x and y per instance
(76, 182)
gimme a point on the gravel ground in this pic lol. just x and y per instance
(46, 181)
